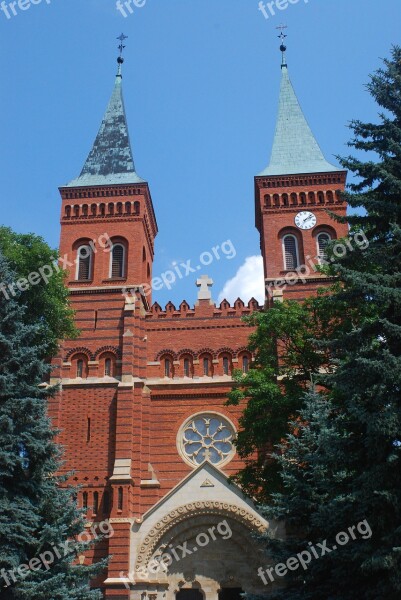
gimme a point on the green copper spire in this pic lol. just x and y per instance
(295, 149)
(111, 160)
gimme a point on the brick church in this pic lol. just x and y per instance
(141, 407)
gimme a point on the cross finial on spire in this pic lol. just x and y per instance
(121, 47)
(283, 47)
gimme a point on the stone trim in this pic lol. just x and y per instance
(188, 511)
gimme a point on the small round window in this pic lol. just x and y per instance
(207, 437)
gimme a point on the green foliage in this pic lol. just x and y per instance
(47, 302)
(35, 511)
(286, 361)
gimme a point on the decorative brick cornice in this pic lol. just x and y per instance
(301, 181)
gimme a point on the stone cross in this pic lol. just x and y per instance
(205, 284)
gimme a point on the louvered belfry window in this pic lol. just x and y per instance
(117, 261)
(290, 253)
(84, 263)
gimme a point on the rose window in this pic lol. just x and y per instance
(207, 437)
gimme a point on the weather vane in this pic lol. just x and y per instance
(283, 47)
(121, 47)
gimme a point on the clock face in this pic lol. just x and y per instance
(305, 220)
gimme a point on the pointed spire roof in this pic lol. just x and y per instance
(111, 160)
(295, 149)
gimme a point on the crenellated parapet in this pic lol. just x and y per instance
(184, 311)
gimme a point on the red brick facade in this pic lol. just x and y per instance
(137, 373)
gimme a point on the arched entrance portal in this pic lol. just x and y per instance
(207, 556)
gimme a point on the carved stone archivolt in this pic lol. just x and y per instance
(188, 511)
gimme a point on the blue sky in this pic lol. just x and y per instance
(201, 83)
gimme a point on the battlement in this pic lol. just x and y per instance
(239, 309)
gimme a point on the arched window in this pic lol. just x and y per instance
(84, 263)
(226, 365)
(323, 240)
(290, 251)
(120, 499)
(93, 210)
(80, 368)
(108, 367)
(302, 197)
(68, 211)
(85, 500)
(168, 368)
(117, 258)
(187, 367)
(245, 364)
(206, 367)
(128, 208)
(320, 196)
(102, 209)
(85, 210)
(137, 207)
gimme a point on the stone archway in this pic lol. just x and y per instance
(191, 510)
(203, 545)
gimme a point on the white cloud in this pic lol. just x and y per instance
(247, 283)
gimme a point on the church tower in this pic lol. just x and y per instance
(108, 228)
(294, 196)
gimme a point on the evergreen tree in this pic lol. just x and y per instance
(328, 537)
(37, 515)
